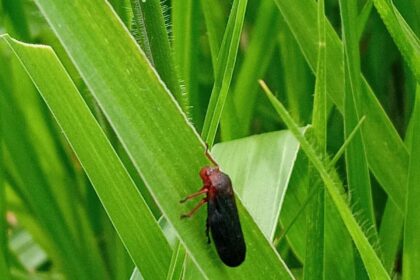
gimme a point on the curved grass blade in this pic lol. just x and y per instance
(293, 220)
(301, 18)
(162, 144)
(115, 188)
(333, 184)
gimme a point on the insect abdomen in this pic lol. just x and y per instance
(226, 231)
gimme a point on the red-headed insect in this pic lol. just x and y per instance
(222, 214)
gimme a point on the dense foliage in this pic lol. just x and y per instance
(312, 108)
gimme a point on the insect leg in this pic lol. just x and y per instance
(189, 214)
(203, 190)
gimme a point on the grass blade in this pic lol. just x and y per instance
(411, 255)
(177, 263)
(315, 255)
(224, 70)
(310, 196)
(185, 23)
(301, 18)
(404, 37)
(111, 180)
(363, 17)
(150, 23)
(346, 143)
(259, 52)
(293, 215)
(120, 7)
(358, 177)
(314, 258)
(155, 133)
(333, 185)
(356, 164)
(390, 234)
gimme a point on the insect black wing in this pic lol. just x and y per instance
(225, 229)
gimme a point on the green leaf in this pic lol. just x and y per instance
(150, 23)
(319, 117)
(315, 241)
(224, 70)
(260, 167)
(139, 31)
(190, 271)
(390, 234)
(357, 168)
(120, 7)
(333, 186)
(185, 30)
(121, 264)
(259, 52)
(314, 257)
(109, 177)
(338, 256)
(404, 37)
(301, 18)
(163, 146)
(411, 254)
(358, 177)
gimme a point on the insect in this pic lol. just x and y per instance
(222, 214)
